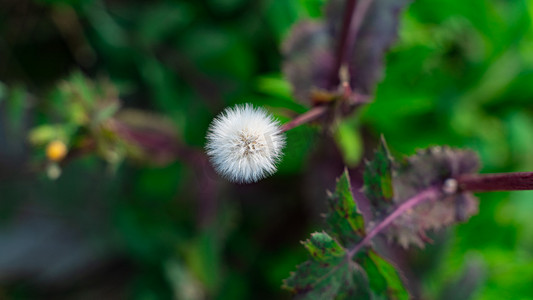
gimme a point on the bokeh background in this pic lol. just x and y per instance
(111, 227)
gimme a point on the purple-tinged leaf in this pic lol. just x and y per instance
(331, 271)
(308, 61)
(316, 52)
(437, 166)
(378, 31)
(146, 138)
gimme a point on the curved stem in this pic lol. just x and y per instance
(421, 197)
(306, 117)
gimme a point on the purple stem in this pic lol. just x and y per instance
(353, 19)
(496, 182)
(426, 194)
(306, 117)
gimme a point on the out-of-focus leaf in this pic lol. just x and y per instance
(378, 179)
(161, 20)
(82, 101)
(308, 59)
(45, 133)
(184, 285)
(350, 143)
(377, 33)
(311, 47)
(147, 137)
(106, 112)
(469, 281)
(431, 167)
(385, 283)
(274, 86)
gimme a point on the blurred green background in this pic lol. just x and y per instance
(460, 74)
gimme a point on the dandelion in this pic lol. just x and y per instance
(244, 143)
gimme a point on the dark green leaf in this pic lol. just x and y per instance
(323, 248)
(329, 274)
(385, 283)
(378, 180)
(345, 220)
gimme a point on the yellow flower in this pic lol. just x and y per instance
(56, 150)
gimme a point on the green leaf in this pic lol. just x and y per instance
(324, 248)
(350, 143)
(106, 113)
(329, 274)
(384, 280)
(345, 220)
(308, 59)
(378, 179)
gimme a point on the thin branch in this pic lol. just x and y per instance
(496, 182)
(425, 195)
(307, 117)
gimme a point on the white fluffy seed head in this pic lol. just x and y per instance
(244, 143)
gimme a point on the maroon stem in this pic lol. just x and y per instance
(425, 195)
(496, 182)
(307, 117)
(353, 19)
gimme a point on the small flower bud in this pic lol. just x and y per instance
(56, 150)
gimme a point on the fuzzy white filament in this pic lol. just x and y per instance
(244, 143)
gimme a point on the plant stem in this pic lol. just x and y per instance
(470, 182)
(353, 19)
(496, 182)
(425, 195)
(306, 117)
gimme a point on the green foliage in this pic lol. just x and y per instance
(459, 74)
(378, 178)
(343, 217)
(332, 272)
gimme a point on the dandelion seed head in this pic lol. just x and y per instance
(244, 143)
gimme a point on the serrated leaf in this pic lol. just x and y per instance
(329, 274)
(344, 219)
(378, 180)
(431, 167)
